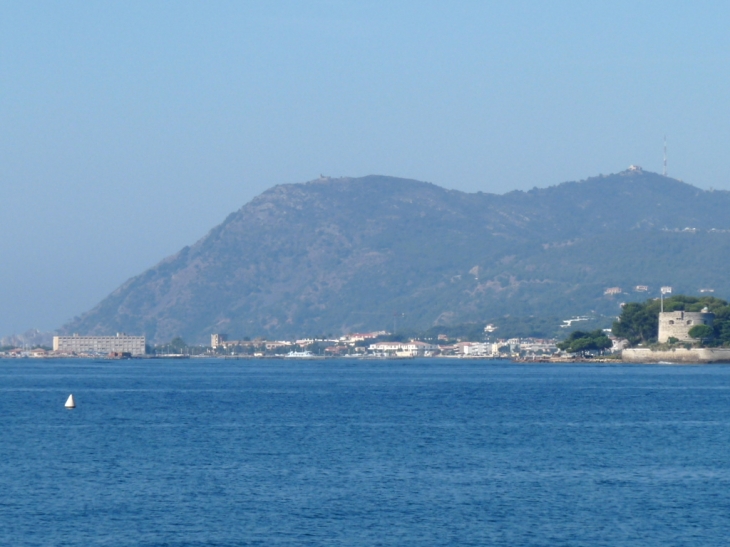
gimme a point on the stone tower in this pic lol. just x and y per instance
(677, 324)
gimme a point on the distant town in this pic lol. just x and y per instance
(668, 329)
(665, 329)
(366, 345)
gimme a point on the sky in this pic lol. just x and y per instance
(130, 129)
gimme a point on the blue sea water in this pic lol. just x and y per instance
(224, 453)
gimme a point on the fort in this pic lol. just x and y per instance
(677, 324)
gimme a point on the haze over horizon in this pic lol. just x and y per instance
(131, 129)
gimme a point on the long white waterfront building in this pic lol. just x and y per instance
(121, 343)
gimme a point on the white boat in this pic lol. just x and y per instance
(70, 403)
(300, 355)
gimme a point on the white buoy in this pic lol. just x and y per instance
(70, 403)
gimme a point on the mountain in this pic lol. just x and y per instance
(350, 254)
(30, 338)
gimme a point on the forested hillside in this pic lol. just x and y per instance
(339, 255)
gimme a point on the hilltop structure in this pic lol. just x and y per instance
(677, 324)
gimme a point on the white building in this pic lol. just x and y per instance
(218, 339)
(477, 349)
(403, 349)
(121, 343)
(538, 346)
(361, 336)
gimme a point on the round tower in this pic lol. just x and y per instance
(677, 324)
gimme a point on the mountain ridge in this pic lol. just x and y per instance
(342, 254)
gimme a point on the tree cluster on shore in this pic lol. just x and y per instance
(582, 341)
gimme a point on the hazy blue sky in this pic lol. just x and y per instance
(129, 129)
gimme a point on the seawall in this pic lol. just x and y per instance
(678, 355)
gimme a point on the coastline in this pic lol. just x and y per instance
(634, 356)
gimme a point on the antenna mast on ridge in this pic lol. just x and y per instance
(665, 156)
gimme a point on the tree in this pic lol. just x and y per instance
(702, 332)
(178, 345)
(638, 323)
(580, 341)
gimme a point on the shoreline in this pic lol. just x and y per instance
(659, 358)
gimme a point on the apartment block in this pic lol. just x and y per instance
(121, 343)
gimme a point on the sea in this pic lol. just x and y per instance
(359, 453)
